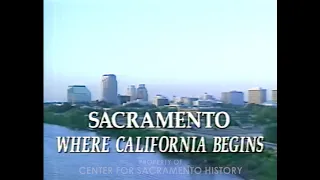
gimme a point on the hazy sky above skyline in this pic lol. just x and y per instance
(175, 47)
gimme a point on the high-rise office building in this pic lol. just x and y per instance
(160, 100)
(274, 95)
(142, 92)
(257, 95)
(78, 94)
(225, 97)
(109, 86)
(233, 97)
(236, 98)
(132, 92)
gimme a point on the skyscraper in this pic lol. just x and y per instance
(142, 92)
(257, 95)
(109, 86)
(132, 92)
(78, 94)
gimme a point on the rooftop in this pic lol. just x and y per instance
(77, 86)
(256, 89)
(159, 96)
(120, 95)
(108, 75)
(234, 91)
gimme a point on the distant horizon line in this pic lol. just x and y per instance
(233, 90)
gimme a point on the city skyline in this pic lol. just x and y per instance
(98, 92)
(177, 48)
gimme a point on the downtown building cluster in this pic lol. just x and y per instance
(139, 94)
(256, 95)
(109, 92)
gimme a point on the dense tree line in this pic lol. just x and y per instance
(270, 133)
(59, 109)
(262, 114)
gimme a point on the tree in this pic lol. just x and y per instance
(270, 133)
(265, 114)
(60, 109)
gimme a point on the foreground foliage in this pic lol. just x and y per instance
(260, 166)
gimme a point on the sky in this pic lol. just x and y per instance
(175, 47)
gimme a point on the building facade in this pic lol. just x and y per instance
(124, 98)
(206, 96)
(257, 95)
(160, 100)
(186, 101)
(142, 92)
(138, 101)
(109, 86)
(177, 99)
(78, 94)
(132, 92)
(225, 97)
(203, 103)
(236, 98)
(192, 99)
(274, 95)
